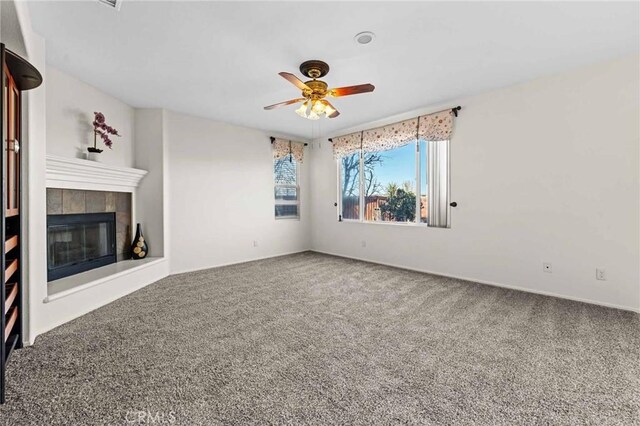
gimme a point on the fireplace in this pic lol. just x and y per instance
(79, 242)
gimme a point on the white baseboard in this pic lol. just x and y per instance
(495, 284)
(220, 265)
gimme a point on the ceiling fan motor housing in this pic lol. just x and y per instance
(314, 68)
(318, 90)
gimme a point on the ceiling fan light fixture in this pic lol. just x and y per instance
(328, 110)
(313, 116)
(318, 107)
(302, 111)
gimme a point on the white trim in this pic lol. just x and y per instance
(491, 283)
(75, 173)
(388, 222)
(362, 178)
(129, 268)
(339, 189)
(418, 153)
(220, 265)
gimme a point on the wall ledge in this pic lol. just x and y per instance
(69, 285)
(75, 173)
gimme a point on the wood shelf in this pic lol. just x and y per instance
(11, 293)
(12, 267)
(17, 75)
(12, 318)
(10, 243)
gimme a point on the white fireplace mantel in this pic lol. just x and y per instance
(75, 173)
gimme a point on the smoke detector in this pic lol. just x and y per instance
(113, 3)
(365, 37)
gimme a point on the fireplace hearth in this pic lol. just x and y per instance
(79, 242)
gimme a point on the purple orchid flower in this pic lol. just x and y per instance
(101, 128)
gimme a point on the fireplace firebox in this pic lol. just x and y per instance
(79, 242)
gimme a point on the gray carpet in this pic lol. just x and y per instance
(316, 339)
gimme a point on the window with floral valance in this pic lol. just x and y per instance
(283, 148)
(421, 192)
(287, 157)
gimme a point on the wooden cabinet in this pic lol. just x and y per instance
(17, 76)
(12, 147)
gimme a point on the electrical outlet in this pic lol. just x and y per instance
(601, 275)
(546, 267)
(255, 243)
(364, 243)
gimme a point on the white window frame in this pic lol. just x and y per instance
(360, 189)
(295, 202)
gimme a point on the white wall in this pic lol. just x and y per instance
(70, 107)
(546, 171)
(151, 201)
(11, 33)
(221, 196)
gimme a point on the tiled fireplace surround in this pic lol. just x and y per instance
(71, 201)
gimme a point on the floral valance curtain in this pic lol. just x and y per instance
(283, 148)
(433, 127)
(391, 136)
(437, 126)
(344, 146)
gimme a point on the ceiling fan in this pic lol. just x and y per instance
(315, 91)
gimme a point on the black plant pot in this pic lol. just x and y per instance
(96, 150)
(139, 248)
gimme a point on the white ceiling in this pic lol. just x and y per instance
(220, 59)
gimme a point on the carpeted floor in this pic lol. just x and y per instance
(316, 339)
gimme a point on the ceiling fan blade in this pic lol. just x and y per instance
(285, 103)
(335, 112)
(351, 90)
(294, 80)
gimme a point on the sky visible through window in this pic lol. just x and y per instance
(398, 166)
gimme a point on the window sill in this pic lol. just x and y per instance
(396, 224)
(288, 218)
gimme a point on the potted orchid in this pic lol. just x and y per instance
(102, 129)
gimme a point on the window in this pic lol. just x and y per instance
(397, 173)
(350, 186)
(287, 190)
(405, 184)
(390, 185)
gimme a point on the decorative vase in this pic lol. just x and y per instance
(94, 152)
(93, 156)
(139, 248)
(94, 148)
